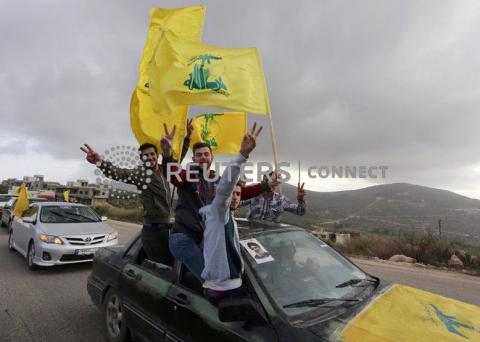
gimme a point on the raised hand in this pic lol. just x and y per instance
(92, 156)
(300, 192)
(274, 180)
(166, 142)
(250, 141)
(189, 128)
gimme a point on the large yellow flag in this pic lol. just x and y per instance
(146, 124)
(185, 72)
(22, 201)
(406, 314)
(186, 22)
(222, 131)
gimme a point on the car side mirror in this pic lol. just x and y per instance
(28, 220)
(240, 309)
(104, 218)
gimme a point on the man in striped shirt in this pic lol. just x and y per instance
(270, 205)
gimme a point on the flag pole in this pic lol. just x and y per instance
(274, 145)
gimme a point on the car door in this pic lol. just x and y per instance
(144, 287)
(21, 231)
(194, 318)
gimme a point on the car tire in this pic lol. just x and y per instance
(10, 242)
(30, 255)
(116, 329)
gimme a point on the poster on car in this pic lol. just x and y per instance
(257, 251)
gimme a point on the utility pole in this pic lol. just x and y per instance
(440, 227)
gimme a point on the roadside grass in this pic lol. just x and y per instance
(133, 215)
(424, 248)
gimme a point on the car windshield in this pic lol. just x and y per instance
(67, 214)
(302, 273)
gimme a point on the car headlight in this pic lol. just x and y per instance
(51, 239)
(112, 236)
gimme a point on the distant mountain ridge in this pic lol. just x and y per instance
(389, 208)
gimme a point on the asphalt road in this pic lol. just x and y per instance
(53, 304)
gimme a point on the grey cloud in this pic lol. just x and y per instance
(350, 82)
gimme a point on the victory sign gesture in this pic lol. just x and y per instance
(92, 156)
(166, 142)
(250, 141)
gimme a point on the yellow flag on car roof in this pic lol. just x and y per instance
(222, 131)
(22, 201)
(147, 125)
(185, 72)
(404, 313)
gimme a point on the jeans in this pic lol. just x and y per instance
(215, 297)
(155, 243)
(185, 249)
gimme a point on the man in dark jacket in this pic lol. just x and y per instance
(156, 198)
(194, 192)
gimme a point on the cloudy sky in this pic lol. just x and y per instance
(351, 83)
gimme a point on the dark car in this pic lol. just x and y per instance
(9, 209)
(300, 289)
(4, 199)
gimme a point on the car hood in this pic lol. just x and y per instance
(77, 228)
(403, 313)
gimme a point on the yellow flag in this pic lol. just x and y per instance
(66, 196)
(22, 201)
(185, 72)
(407, 314)
(186, 22)
(147, 125)
(222, 131)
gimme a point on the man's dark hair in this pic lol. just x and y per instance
(147, 145)
(198, 145)
(250, 244)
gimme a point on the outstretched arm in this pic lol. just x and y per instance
(231, 175)
(108, 169)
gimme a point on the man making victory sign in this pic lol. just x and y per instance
(194, 192)
(156, 198)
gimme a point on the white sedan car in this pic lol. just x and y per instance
(56, 233)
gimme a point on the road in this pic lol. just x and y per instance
(53, 304)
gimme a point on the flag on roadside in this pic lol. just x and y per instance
(66, 196)
(22, 201)
(147, 125)
(222, 131)
(190, 73)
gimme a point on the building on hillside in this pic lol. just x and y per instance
(82, 192)
(335, 237)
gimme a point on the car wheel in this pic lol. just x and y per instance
(30, 255)
(115, 323)
(10, 242)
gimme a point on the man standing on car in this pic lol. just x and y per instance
(156, 198)
(223, 261)
(194, 192)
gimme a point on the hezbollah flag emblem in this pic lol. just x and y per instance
(222, 131)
